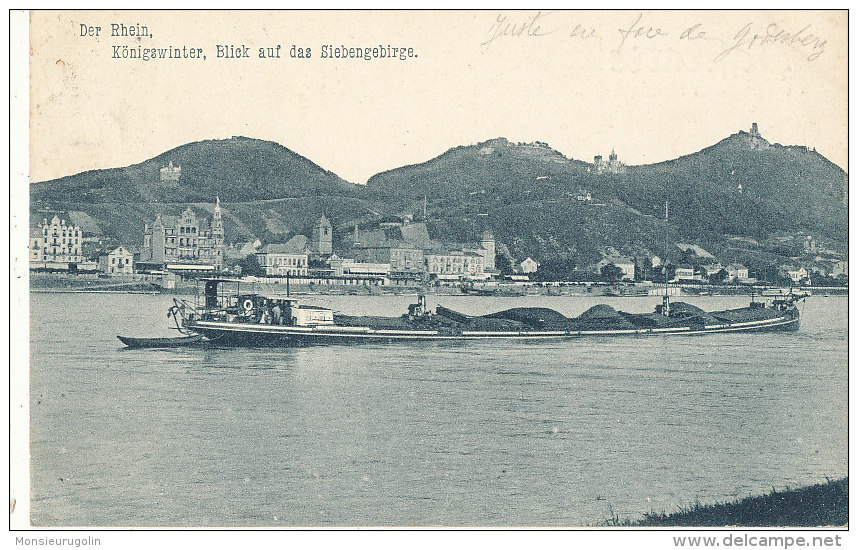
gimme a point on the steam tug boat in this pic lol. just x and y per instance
(232, 317)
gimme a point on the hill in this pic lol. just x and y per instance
(268, 191)
(529, 195)
(745, 186)
(238, 169)
(743, 198)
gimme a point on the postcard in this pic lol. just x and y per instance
(434, 269)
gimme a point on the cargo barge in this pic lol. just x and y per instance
(229, 316)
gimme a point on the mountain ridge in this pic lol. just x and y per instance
(529, 194)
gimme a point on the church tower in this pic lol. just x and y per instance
(488, 242)
(323, 237)
(217, 234)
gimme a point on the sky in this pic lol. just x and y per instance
(651, 85)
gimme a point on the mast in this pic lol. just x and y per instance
(665, 301)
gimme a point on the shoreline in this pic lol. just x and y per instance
(443, 291)
(820, 505)
(87, 291)
(143, 284)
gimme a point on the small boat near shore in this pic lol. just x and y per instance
(770, 292)
(495, 292)
(161, 342)
(230, 316)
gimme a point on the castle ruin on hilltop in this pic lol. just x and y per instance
(610, 166)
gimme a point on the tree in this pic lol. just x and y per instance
(719, 277)
(611, 273)
(555, 269)
(665, 269)
(503, 264)
(250, 266)
(689, 256)
(825, 280)
(643, 269)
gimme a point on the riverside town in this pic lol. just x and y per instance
(400, 251)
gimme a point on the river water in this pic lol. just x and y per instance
(490, 434)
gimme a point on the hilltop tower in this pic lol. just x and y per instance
(755, 132)
(488, 242)
(323, 237)
(217, 233)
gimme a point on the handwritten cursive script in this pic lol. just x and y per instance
(503, 26)
(636, 30)
(772, 36)
(645, 28)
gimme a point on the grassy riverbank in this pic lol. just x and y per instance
(824, 504)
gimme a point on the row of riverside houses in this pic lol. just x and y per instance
(58, 245)
(398, 250)
(180, 244)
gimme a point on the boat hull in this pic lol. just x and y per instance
(160, 342)
(245, 334)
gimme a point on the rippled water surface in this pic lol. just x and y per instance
(562, 433)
